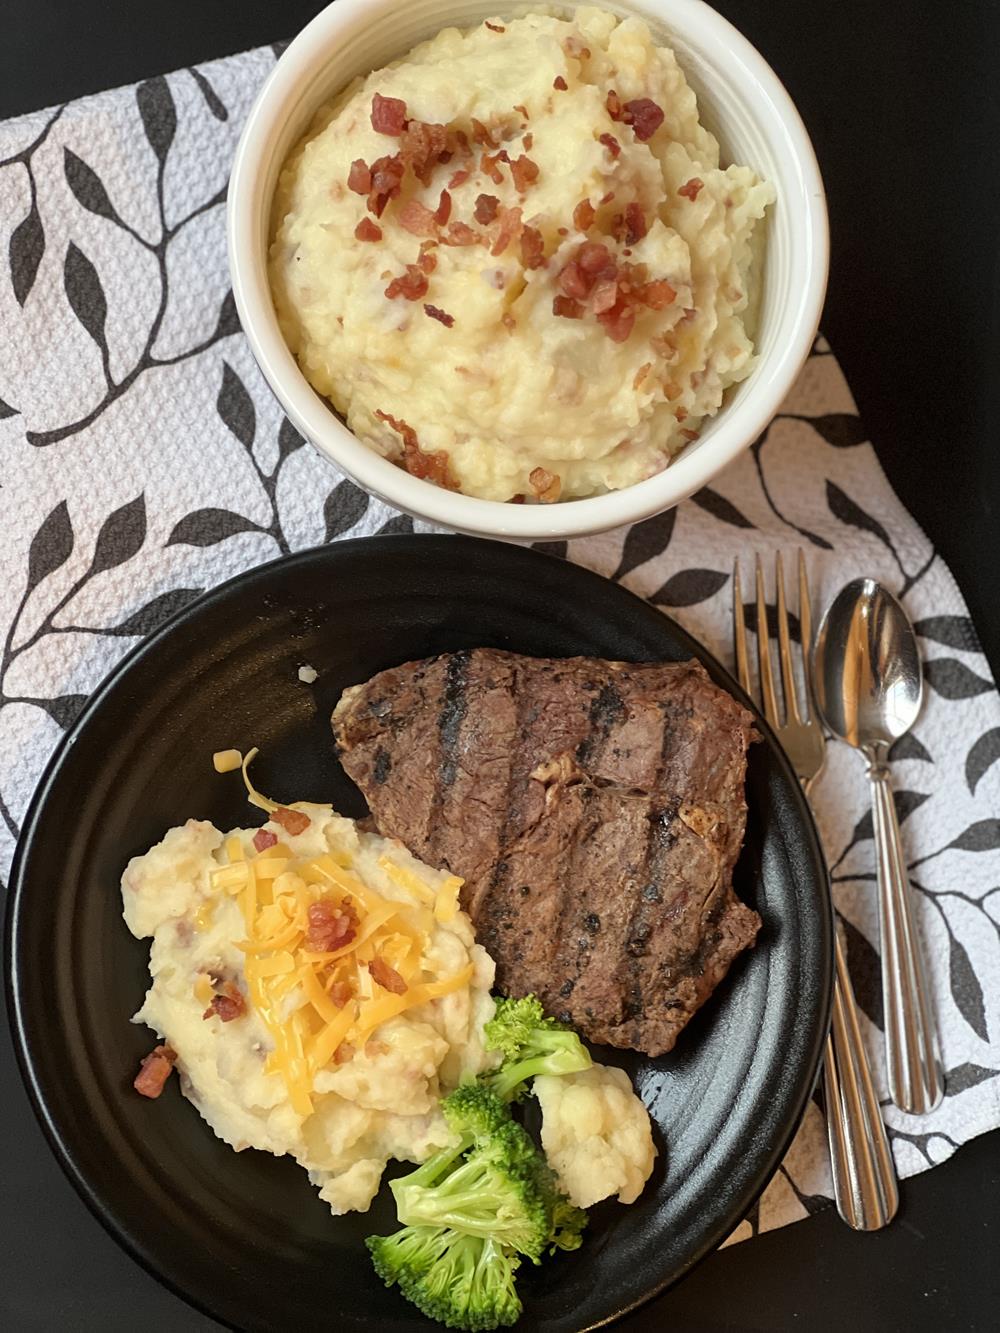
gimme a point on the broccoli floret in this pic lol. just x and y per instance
(461, 1281)
(530, 1044)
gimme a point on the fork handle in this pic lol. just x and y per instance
(916, 1082)
(864, 1175)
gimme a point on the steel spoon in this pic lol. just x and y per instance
(868, 684)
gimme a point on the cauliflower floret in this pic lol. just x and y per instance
(596, 1134)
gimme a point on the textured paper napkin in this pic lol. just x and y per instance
(143, 459)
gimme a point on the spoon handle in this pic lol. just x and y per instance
(916, 1083)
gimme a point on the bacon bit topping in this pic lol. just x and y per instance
(664, 345)
(604, 295)
(443, 211)
(689, 314)
(426, 467)
(508, 321)
(510, 229)
(366, 230)
(524, 172)
(486, 208)
(494, 27)
(154, 1070)
(532, 248)
(427, 262)
(460, 233)
(339, 993)
(387, 977)
(635, 223)
(387, 177)
(689, 434)
(458, 178)
(618, 320)
(546, 485)
(614, 104)
(482, 135)
(692, 189)
(227, 1003)
(573, 281)
(292, 821)
(567, 307)
(388, 115)
(421, 147)
(672, 391)
(681, 414)
(446, 156)
(560, 83)
(263, 839)
(611, 144)
(442, 316)
(657, 295)
(573, 46)
(488, 165)
(344, 1052)
(583, 215)
(605, 198)
(528, 139)
(592, 256)
(330, 926)
(641, 374)
(374, 1047)
(644, 115)
(523, 110)
(411, 285)
(360, 176)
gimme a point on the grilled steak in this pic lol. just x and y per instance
(595, 811)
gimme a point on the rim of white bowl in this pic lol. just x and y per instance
(315, 418)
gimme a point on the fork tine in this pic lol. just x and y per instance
(764, 653)
(784, 647)
(739, 630)
(805, 624)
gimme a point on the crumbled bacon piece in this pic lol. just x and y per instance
(154, 1070)
(411, 285)
(460, 233)
(481, 134)
(486, 208)
(374, 1048)
(488, 165)
(689, 434)
(421, 147)
(614, 104)
(567, 307)
(366, 230)
(387, 177)
(583, 215)
(573, 281)
(227, 1003)
(636, 225)
(689, 314)
(360, 176)
(417, 218)
(443, 211)
(644, 115)
(426, 467)
(508, 321)
(604, 295)
(292, 821)
(532, 248)
(458, 178)
(494, 27)
(611, 144)
(560, 83)
(528, 140)
(657, 295)
(440, 315)
(592, 256)
(263, 839)
(339, 993)
(618, 321)
(664, 345)
(681, 413)
(331, 926)
(692, 189)
(546, 485)
(672, 391)
(343, 1053)
(446, 156)
(427, 262)
(509, 230)
(388, 115)
(524, 172)
(387, 977)
(523, 110)
(641, 374)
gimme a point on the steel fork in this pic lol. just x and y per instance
(864, 1176)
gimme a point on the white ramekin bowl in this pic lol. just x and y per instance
(740, 100)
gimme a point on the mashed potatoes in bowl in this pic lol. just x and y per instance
(512, 260)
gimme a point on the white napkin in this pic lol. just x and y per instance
(143, 459)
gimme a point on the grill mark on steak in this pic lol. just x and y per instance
(595, 811)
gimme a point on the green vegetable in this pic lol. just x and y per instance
(530, 1044)
(462, 1281)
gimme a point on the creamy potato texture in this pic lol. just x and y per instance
(512, 356)
(375, 1096)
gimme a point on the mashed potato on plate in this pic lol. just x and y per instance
(320, 988)
(513, 262)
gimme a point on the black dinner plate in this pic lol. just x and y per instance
(245, 1237)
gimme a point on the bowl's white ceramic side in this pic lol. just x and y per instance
(740, 99)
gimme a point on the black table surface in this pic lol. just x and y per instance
(902, 99)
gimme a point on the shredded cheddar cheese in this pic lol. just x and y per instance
(227, 761)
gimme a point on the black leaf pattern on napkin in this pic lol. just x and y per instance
(159, 115)
(965, 988)
(843, 430)
(645, 540)
(952, 631)
(689, 587)
(908, 747)
(64, 709)
(51, 546)
(213, 100)
(25, 251)
(229, 320)
(558, 549)
(399, 523)
(235, 406)
(157, 612)
(344, 506)
(121, 536)
(206, 527)
(719, 507)
(982, 836)
(6, 410)
(289, 440)
(865, 968)
(966, 1076)
(750, 621)
(88, 188)
(86, 295)
(952, 679)
(981, 758)
(906, 803)
(850, 512)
